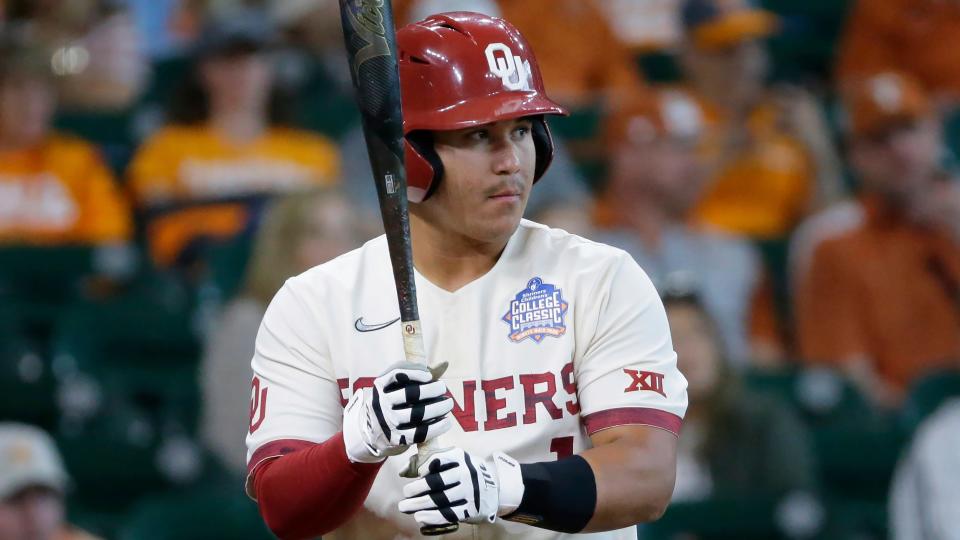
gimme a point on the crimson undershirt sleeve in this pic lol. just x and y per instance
(313, 490)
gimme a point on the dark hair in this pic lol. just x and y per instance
(190, 104)
(681, 288)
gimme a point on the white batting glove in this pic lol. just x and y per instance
(405, 406)
(457, 487)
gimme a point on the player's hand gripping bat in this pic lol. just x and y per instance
(372, 51)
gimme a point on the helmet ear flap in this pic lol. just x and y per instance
(543, 142)
(423, 165)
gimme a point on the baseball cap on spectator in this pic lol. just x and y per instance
(716, 24)
(883, 102)
(663, 113)
(240, 31)
(28, 458)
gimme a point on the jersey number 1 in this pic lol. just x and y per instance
(562, 447)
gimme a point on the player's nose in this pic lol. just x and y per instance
(505, 158)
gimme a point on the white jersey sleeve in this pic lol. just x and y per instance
(295, 398)
(627, 371)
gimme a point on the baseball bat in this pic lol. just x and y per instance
(368, 30)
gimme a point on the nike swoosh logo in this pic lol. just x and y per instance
(361, 327)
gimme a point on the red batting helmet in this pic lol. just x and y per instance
(459, 70)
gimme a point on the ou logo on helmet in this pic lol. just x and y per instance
(512, 70)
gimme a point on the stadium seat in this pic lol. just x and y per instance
(112, 132)
(715, 520)
(322, 106)
(580, 132)
(43, 274)
(224, 513)
(37, 282)
(807, 42)
(27, 383)
(821, 395)
(927, 395)
(227, 264)
(138, 351)
(125, 453)
(856, 446)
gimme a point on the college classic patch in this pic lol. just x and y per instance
(536, 312)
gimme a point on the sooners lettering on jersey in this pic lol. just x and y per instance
(592, 318)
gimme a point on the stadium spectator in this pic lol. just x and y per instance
(97, 51)
(581, 59)
(298, 232)
(778, 162)
(925, 493)
(33, 482)
(54, 189)
(878, 292)
(202, 177)
(657, 171)
(917, 37)
(644, 25)
(735, 444)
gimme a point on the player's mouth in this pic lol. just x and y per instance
(506, 194)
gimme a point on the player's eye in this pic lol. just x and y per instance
(520, 132)
(478, 135)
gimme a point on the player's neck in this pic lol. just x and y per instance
(451, 261)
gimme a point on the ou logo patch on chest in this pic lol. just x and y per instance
(512, 70)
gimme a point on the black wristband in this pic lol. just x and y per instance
(557, 495)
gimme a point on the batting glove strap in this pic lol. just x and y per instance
(358, 431)
(510, 480)
(404, 406)
(457, 487)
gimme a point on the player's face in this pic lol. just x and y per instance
(488, 173)
(32, 514)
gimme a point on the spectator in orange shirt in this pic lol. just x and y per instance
(54, 189)
(880, 296)
(581, 59)
(917, 37)
(201, 178)
(777, 157)
(657, 171)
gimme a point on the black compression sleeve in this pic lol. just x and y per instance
(557, 495)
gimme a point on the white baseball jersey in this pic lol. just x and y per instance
(562, 338)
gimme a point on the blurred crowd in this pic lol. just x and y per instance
(785, 171)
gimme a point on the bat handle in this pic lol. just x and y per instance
(414, 351)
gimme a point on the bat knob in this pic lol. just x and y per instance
(437, 530)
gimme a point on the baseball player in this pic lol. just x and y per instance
(562, 401)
